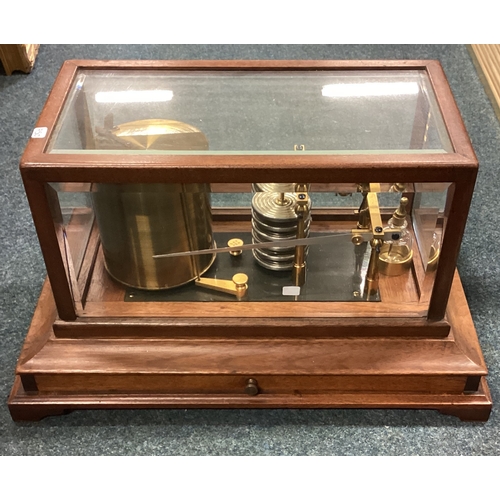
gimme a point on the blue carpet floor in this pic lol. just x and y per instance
(244, 432)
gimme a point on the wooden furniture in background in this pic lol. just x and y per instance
(486, 58)
(18, 57)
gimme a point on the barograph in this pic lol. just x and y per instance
(250, 234)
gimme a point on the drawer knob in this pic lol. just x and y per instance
(251, 387)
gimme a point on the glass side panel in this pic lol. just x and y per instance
(429, 218)
(75, 219)
(158, 243)
(250, 112)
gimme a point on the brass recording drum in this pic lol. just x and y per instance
(137, 221)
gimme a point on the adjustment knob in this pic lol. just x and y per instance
(235, 242)
(240, 281)
(251, 388)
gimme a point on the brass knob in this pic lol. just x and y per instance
(235, 242)
(251, 387)
(240, 280)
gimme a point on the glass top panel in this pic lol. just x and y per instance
(250, 112)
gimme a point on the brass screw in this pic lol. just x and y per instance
(280, 200)
(235, 242)
(357, 239)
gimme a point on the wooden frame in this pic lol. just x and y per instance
(228, 326)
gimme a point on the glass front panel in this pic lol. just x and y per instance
(264, 242)
(250, 112)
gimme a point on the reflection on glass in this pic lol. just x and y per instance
(129, 96)
(369, 89)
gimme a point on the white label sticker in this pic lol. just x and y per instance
(39, 133)
(291, 290)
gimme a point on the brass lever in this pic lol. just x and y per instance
(238, 286)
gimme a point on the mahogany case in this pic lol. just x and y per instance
(360, 135)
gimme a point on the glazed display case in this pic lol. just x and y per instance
(250, 234)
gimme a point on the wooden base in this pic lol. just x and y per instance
(468, 407)
(445, 373)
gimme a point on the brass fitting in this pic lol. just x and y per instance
(372, 274)
(235, 242)
(238, 286)
(299, 264)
